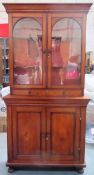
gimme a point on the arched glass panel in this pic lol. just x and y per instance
(66, 52)
(27, 38)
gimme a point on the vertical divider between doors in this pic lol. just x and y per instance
(48, 129)
(43, 131)
(49, 48)
(44, 56)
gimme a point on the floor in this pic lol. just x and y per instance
(89, 170)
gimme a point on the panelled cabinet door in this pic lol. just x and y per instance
(64, 46)
(29, 42)
(28, 126)
(63, 126)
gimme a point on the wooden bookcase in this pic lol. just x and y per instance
(46, 107)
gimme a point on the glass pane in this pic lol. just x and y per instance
(66, 52)
(27, 38)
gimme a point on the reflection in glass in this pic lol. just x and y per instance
(66, 52)
(27, 36)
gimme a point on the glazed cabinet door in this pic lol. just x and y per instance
(65, 50)
(63, 126)
(28, 128)
(28, 53)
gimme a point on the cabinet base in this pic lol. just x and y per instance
(78, 168)
(11, 170)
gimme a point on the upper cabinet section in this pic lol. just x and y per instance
(47, 47)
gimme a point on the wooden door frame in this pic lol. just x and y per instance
(83, 25)
(12, 20)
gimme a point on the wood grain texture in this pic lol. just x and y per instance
(46, 123)
(79, 7)
(47, 13)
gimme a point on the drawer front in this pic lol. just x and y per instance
(48, 92)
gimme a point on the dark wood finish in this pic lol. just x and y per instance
(47, 92)
(59, 16)
(27, 142)
(48, 132)
(61, 125)
(13, 19)
(16, 8)
(46, 122)
(75, 11)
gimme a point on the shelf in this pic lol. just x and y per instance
(5, 58)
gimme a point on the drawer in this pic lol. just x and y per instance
(47, 93)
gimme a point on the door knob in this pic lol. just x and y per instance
(49, 54)
(46, 138)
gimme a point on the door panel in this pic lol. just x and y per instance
(60, 142)
(29, 43)
(28, 124)
(64, 47)
(63, 124)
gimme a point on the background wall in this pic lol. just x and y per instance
(90, 17)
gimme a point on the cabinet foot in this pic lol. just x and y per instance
(80, 170)
(11, 170)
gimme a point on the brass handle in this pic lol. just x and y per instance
(46, 138)
(49, 52)
(45, 135)
(49, 55)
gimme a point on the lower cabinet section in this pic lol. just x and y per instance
(40, 135)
